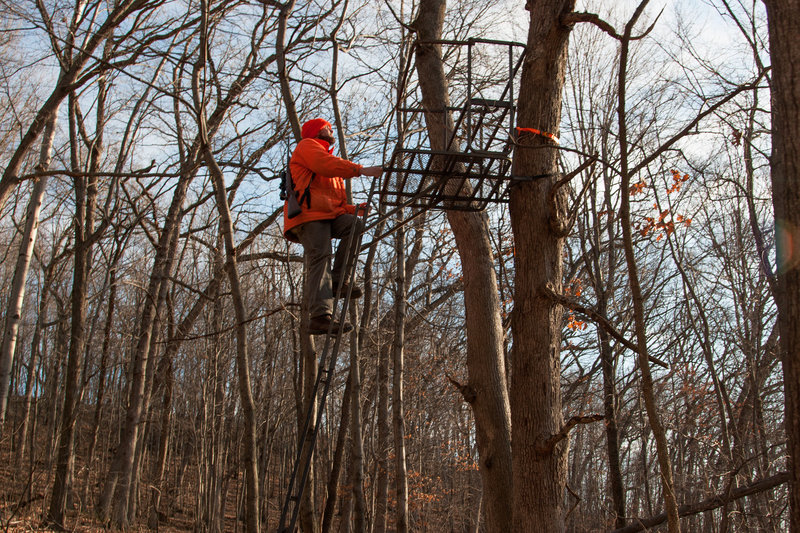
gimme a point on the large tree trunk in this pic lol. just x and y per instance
(356, 431)
(383, 444)
(540, 462)
(307, 406)
(784, 30)
(488, 392)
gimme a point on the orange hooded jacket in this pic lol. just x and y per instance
(328, 193)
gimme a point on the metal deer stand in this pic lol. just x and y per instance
(473, 172)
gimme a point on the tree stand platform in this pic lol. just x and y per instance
(462, 181)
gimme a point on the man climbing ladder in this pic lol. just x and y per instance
(318, 178)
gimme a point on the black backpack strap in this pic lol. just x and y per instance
(306, 196)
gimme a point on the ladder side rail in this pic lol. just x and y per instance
(401, 90)
(324, 375)
(512, 112)
(291, 496)
(508, 92)
(511, 74)
(312, 440)
(469, 96)
(505, 110)
(321, 377)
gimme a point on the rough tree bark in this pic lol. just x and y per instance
(383, 443)
(356, 430)
(488, 391)
(398, 407)
(536, 208)
(784, 30)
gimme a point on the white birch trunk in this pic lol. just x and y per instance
(17, 297)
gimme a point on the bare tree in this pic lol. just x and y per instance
(79, 67)
(537, 215)
(486, 390)
(226, 228)
(85, 203)
(784, 29)
(27, 242)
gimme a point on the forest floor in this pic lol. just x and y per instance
(24, 501)
(25, 489)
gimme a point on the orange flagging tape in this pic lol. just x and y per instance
(550, 136)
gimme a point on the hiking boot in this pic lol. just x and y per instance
(318, 325)
(341, 290)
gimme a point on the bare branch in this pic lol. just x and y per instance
(466, 391)
(560, 226)
(566, 179)
(294, 258)
(409, 27)
(709, 503)
(570, 19)
(600, 320)
(549, 444)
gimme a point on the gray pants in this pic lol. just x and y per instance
(316, 240)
